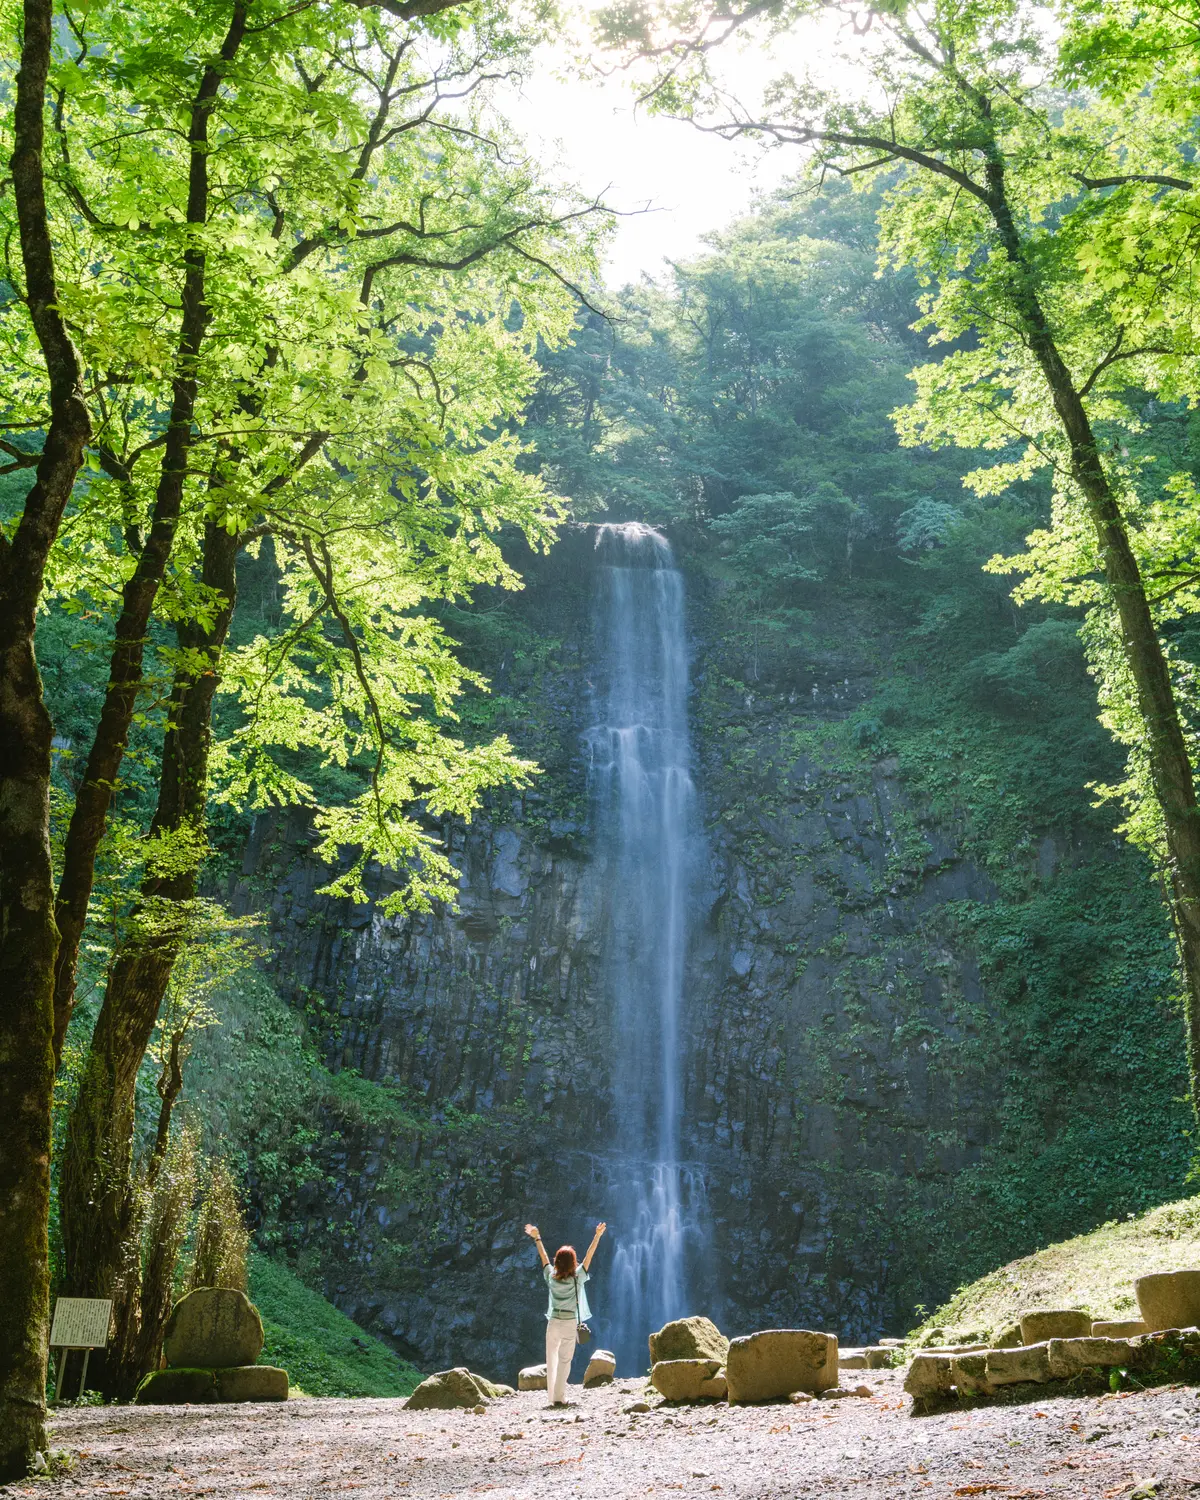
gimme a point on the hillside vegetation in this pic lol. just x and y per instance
(324, 1353)
(1094, 1271)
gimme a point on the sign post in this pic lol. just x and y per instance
(79, 1323)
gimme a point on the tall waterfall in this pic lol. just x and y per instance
(640, 772)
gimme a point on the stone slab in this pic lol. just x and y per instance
(1118, 1328)
(968, 1374)
(178, 1387)
(252, 1383)
(1014, 1366)
(1069, 1357)
(928, 1374)
(1055, 1323)
(769, 1365)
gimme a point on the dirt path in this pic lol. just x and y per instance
(1079, 1448)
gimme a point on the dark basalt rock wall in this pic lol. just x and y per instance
(837, 1066)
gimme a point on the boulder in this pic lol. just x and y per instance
(532, 1378)
(968, 1373)
(1169, 1299)
(252, 1383)
(1009, 1337)
(452, 1388)
(1013, 1366)
(688, 1338)
(176, 1388)
(687, 1379)
(1069, 1357)
(927, 1375)
(873, 1357)
(213, 1328)
(1126, 1328)
(1061, 1323)
(774, 1363)
(600, 1369)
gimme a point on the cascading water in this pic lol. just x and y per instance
(640, 772)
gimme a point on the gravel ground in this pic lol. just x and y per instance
(1103, 1447)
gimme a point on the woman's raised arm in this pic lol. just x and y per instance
(532, 1231)
(587, 1259)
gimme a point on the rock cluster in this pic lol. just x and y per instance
(1064, 1344)
(213, 1338)
(691, 1360)
(601, 1369)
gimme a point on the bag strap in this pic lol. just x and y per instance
(578, 1319)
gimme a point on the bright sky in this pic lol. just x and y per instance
(693, 182)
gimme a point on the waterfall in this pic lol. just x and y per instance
(643, 800)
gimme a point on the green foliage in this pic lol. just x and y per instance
(222, 1242)
(324, 1353)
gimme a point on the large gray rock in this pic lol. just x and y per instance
(688, 1338)
(213, 1328)
(688, 1379)
(1059, 1323)
(454, 1388)
(532, 1378)
(600, 1369)
(765, 1366)
(1118, 1328)
(1169, 1299)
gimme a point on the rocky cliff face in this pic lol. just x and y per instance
(839, 1050)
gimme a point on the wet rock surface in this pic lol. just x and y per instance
(1074, 1448)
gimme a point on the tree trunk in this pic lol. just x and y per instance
(95, 1194)
(1171, 769)
(125, 673)
(28, 938)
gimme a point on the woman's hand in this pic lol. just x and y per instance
(600, 1228)
(532, 1231)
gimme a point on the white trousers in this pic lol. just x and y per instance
(560, 1349)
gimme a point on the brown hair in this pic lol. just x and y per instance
(564, 1262)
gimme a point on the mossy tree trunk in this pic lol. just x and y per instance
(95, 1197)
(28, 937)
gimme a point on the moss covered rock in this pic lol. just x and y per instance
(688, 1338)
(213, 1328)
(454, 1388)
(177, 1387)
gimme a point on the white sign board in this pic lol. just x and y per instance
(81, 1323)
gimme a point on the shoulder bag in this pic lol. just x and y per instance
(583, 1334)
